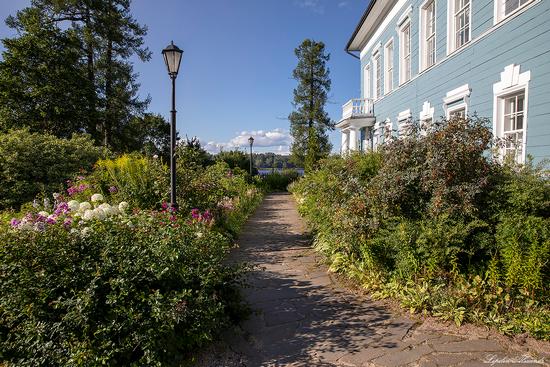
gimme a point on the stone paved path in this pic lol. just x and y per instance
(302, 317)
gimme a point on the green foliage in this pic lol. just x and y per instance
(235, 159)
(43, 84)
(142, 290)
(309, 122)
(68, 71)
(35, 163)
(141, 181)
(435, 223)
(278, 181)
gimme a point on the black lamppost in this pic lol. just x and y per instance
(172, 57)
(251, 141)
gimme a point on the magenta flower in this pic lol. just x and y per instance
(164, 205)
(206, 216)
(15, 223)
(195, 213)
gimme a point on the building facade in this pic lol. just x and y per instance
(428, 60)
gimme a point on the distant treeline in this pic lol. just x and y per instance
(272, 160)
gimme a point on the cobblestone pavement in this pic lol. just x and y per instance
(303, 317)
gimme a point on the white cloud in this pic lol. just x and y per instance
(343, 4)
(314, 5)
(277, 139)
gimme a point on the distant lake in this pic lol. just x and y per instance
(267, 171)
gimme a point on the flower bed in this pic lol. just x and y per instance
(88, 282)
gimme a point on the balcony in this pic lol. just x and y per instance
(358, 108)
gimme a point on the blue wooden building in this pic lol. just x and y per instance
(427, 60)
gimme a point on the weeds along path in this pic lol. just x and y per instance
(303, 317)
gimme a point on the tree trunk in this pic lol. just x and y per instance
(107, 121)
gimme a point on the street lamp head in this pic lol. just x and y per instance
(251, 141)
(172, 58)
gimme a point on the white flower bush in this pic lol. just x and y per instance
(97, 197)
(71, 213)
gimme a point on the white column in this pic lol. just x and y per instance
(353, 136)
(345, 142)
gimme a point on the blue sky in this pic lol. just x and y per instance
(235, 77)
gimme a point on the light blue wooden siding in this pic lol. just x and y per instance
(523, 40)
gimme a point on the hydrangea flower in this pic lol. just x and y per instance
(88, 214)
(73, 205)
(97, 197)
(123, 206)
(84, 206)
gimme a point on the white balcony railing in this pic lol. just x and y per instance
(358, 107)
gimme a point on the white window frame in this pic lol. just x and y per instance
(378, 133)
(367, 81)
(404, 122)
(388, 130)
(499, 14)
(461, 93)
(377, 74)
(423, 44)
(404, 65)
(512, 81)
(451, 27)
(426, 114)
(389, 66)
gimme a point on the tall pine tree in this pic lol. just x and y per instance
(103, 37)
(309, 122)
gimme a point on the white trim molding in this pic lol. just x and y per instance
(389, 66)
(385, 23)
(405, 16)
(456, 95)
(404, 123)
(367, 81)
(512, 81)
(499, 14)
(427, 111)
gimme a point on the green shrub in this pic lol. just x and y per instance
(435, 215)
(35, 163)
(139, 180)
(279, 181)
(137, 290)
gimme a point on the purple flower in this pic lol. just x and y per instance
(80, 178)
(15, 222)
(40, 218)
(67, 223)
(51, 219)
(62, 208)
(113, 189)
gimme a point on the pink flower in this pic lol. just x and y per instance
(164, 205)
(172, 218)
(195, 213)
(15, 222)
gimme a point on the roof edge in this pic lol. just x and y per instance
(363, 18)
